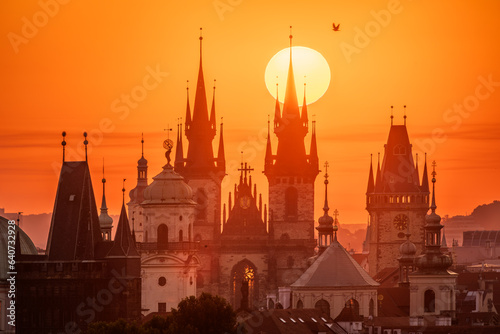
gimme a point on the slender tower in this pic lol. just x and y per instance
(291, 174)
(203, 172)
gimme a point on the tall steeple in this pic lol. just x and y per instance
(136, 194)
(291, 128)
(188, 109)
(304, 116)
(277, 110)
(325, 226)
(425, 178)
(179, 151)
(105, 221)
(200, 131)
(433, 261)
(268, 160)
(221, 156)
(371, 182)
(313, 151)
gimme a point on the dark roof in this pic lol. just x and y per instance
(394, 302)
(335, 267)
(398, 173)
(387, 277)
(74, 229)
(291, 321)
(124, 244)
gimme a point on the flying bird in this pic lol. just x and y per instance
(336, 27)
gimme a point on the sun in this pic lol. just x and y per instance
(309, 67)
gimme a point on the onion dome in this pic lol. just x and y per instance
(407, 248)
(168, 187)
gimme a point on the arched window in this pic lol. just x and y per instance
(291, 202)
(162, 234)
(399, 150)
(371, 307)
(353, 305)
(201, 208)
(429, 301)
(300, 304)
(181, 236)
(323, 306)
(243, 285)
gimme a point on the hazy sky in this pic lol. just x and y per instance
(69, 65)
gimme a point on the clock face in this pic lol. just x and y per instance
(401, 222)
(245, 202)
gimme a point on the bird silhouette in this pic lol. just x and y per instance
(336, 27)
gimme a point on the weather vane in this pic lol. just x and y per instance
(168, 144)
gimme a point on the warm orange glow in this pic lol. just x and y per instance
(74, 71)
(309, 67)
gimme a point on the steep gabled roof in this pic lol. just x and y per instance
(74, 229)
(123, 245)
(335, 268)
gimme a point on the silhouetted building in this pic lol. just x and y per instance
(81, 278)
(396, 200)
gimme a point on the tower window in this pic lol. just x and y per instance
(429, 301)
(162, 236)
(181, 236)
(291, 202)
(323, 306)
(399, 150)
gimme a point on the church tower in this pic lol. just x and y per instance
(105, 221)
(291, 174)
(396, 201)
(203, 172)
(137, 196)
(432, 285)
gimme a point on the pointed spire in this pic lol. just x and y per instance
(325, 206)
(142, 145)
(63, 143)
(371, 182)
(325, 222)
(212, 111)
(443, 241)
(200, 110)
(313, 152)
(433, 204)
(188, 109)
(425, 178)
(416, 169)
(268, 161)
(123, 245)
(378, 180)
(179, 151)
(290, 105)
(304, 118)
(105, 221)
(277, 109)
(221, 156)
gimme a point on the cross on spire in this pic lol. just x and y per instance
(123, 190)
(245, 170)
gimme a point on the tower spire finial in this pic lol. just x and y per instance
(142, 144)
(201, 39)
(392, 115)
(123, 190)
(63, 143)
(433, 205)
(85, 142)
(291, 36)
(404, 114)
(325, 207)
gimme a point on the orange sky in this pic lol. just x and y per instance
(66, 73)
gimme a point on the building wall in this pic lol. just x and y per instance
(337, 298)
(443, 287)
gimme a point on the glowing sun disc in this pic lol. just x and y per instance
(306, 62)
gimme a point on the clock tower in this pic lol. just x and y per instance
(396, 201)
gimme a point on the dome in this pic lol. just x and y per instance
(105, 220)
(27, 246)
(142, 161)
(168, 187)
(325, 220)
(408, 249)
(433, 218)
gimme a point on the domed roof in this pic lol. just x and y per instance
(27, 246)
(407, 249)
(168, 187)
(142, 161)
